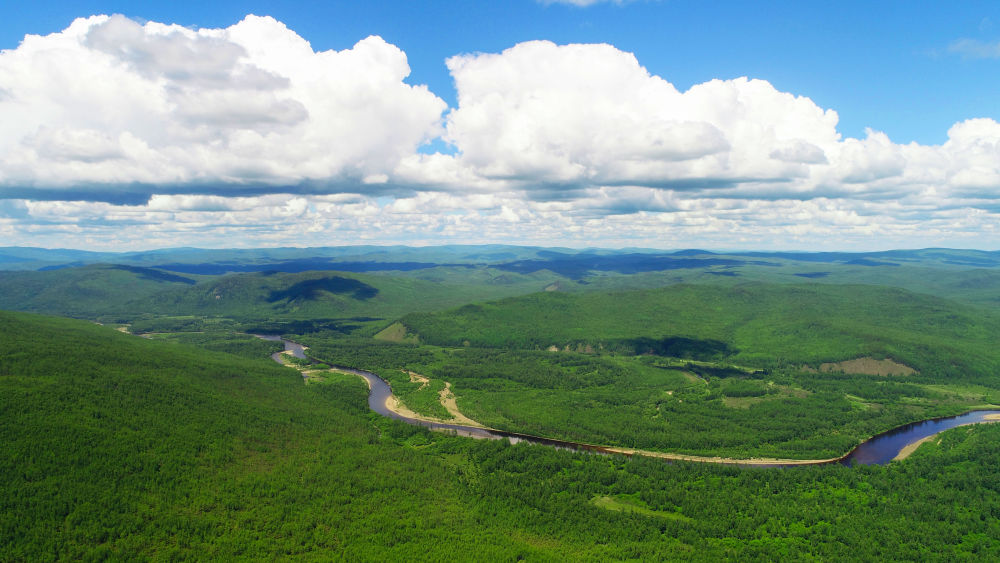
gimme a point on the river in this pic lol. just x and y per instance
(883, 448)
(297, 350)
(380, 394)
(878, 450)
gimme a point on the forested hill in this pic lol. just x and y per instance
(119, 293)
(112, 442)
(89, 291)
(117, 447)
(329, 294)
(766, 325)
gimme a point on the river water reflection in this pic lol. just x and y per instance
(883, 448)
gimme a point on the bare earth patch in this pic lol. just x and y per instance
(393, 403)
(446, 397)
(908, 450)
(868, 366)
(448, 402)
(417, 378)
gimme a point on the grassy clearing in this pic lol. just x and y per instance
(693, 378)
(977, 394)
(868, 366)
(396, 332)
(631, 504)
(860, 404)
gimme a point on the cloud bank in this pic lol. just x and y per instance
(114, 105)
(129, 132)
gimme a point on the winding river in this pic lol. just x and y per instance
(296, 349)
(885, 447)
(878, 450)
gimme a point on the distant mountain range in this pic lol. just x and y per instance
(521, 259)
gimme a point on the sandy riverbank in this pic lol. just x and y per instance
(723, 460)
(908, 449)
(448, 402)
(394, 404)
(447, 398)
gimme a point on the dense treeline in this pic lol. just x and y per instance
(243, 345)
(89, 292)
(484, 369)
(935, 506)
(365, 353)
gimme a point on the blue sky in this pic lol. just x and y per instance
(910, 71)
(884, 65)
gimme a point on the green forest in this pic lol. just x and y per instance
(168, 432)
(765, 325)
(125, 448)
(654, 403)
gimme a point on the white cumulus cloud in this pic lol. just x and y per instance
(117, 132)
(111, 101)
(541, 114)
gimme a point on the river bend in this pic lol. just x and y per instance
(878, 450)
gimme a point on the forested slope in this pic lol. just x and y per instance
(90, 291)
(765, 325)
(119, 446)
(120, 293)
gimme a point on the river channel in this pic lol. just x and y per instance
(878, 450)
(296, 349)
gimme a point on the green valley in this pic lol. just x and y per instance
(481, 281)
(193, 443)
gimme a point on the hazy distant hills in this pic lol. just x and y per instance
(219, 261)
(386, 282)
(123, 293)
(563, 261)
